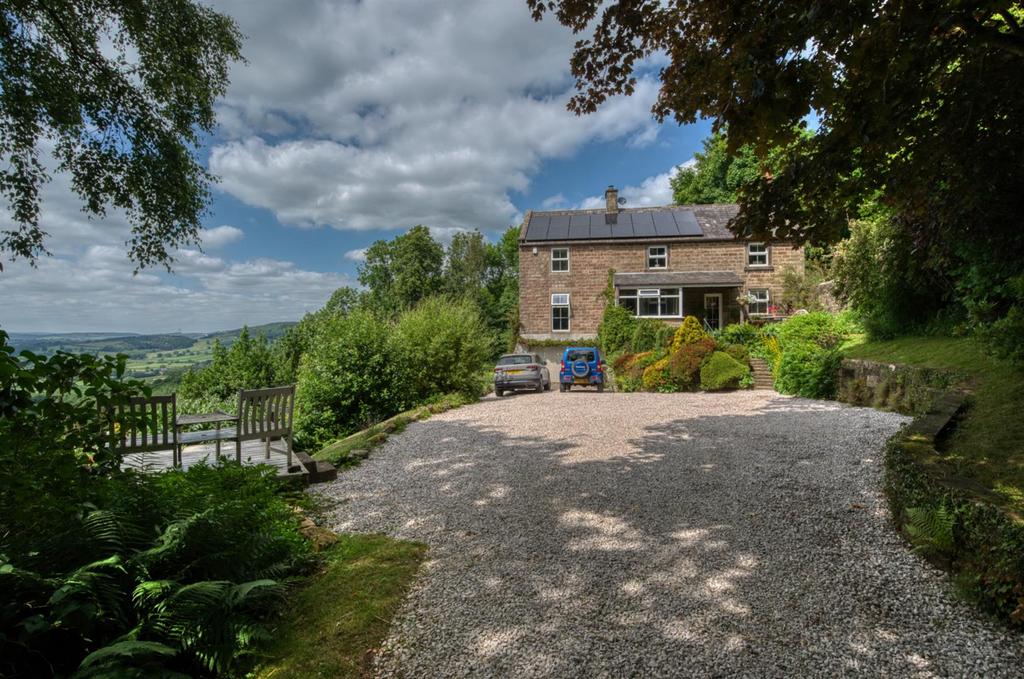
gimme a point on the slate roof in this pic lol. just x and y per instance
(670, 222)
(698, 279)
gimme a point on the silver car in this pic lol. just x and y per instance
(521, 371)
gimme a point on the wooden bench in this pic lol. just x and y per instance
(263, 414)
(141, 424)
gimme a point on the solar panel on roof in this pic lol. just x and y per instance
(623, 226)
(559, 223)
(579, 226)
(643, 225)
(664, 225)
(600, 228)
(558, 230)
(538, 229)
(687, 223)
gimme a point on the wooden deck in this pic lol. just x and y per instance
(253, 452)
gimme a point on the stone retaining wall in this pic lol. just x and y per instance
(890, 386)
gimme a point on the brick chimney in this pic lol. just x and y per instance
(611, 199)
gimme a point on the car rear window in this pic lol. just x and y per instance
(515, 360)
(580, 356)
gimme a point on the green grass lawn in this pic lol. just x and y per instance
(337, 621)
(988, 445)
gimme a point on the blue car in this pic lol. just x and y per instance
(581, 366)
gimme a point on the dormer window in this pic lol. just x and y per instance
(657, 257)
(757, 254)
(559, 259)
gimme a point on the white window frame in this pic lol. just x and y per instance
(751, 264)
(560, 300)
(663, 256)
(755, 294)
(652, 293)
(560, 259)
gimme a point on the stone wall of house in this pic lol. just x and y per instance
(587, 276)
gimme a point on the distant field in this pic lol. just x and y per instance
(158, 359)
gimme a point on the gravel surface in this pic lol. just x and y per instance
(584, 534)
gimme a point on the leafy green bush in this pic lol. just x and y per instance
(746, 334)
(690, 331)
(347, 380)
(616, 329)
(820, 327)
(246, 364)
(1004, 338)
(656, 376)
(440, 347)
(629, 369)
(686, 362)
(808, 370)
(739, 352)
(722, 371)
(648, 335)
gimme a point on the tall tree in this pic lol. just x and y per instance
(400, 272)
(116, 93)
(920, 105)
(465, 263)
(716, 176)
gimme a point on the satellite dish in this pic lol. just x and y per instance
(622, 201)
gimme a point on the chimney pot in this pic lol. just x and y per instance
(611, 199)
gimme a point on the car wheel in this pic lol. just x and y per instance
(540, 386)
(547, 386)
(499, 393)
(600, 387)
(561, 387)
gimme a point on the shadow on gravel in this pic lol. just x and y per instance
(723, 544)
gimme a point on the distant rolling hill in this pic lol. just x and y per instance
(133, 344)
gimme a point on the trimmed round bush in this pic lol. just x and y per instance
(806, 369)
(616, 329)
(656, 376)
(722, 371)
(685, 364)
(690, 332)
(739, 352)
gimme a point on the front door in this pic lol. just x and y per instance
(713, 310)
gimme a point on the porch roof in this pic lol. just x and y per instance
(684, 279)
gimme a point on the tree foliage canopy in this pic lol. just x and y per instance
(920, 100)
(716, 176)
(117, 94)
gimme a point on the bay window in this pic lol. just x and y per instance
(652, 302)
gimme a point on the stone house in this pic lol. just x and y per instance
(668, 262)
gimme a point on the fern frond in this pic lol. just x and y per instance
(931, 528)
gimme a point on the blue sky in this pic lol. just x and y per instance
(350, 122)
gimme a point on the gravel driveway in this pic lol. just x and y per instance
(584, 534)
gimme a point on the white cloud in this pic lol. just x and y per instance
(553, 202)
(651, 192)
(417, 116)
(220, 236)
(357, 255)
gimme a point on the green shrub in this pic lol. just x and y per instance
(629, 374)
(664, 336)
(648, 335)
(808, 370)
(441, 347)
(690, 331)
(686, 362)
(722, 371)
(739, 352)
(820, 327)
(616, 329)
(347, 380)
(247, 364)
(656, 376)
(746, 334)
